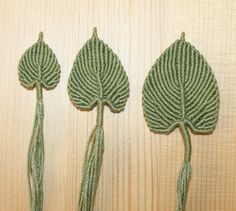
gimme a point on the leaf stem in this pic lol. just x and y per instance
(39, 91)
(187, 141)
(92, 163)
(100, 111)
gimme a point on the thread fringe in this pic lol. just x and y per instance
(36, 160)
(91, 169)
(183, 185)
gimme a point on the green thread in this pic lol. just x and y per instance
(183, 185)
(97, 79)
(181, 91)
(38, 68)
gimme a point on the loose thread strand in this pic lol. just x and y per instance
(91, 169)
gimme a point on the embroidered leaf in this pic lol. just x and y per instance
(181, 91)
(39, 65)
(97, 79)
(38, 68)
(97, 74)
(181, 88)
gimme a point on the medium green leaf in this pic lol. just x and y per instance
(181, 88)
(39, 65)
(97, 75)
(97, 79)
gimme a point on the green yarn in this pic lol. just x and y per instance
(91, 169)
(183, 185)
(181, 91)
(38, 68)
(97, 79)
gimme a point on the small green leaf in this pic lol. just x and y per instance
(181, 88)
(39, 65)
(97, 75)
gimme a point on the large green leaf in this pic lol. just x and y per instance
(181, 88)
(97, 75)
(39, 65)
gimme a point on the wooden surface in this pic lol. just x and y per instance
(140, 169)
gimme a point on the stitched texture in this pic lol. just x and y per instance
(181, 91)
(38, 68)
(97, 79)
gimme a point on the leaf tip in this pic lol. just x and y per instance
(95, 35)
(182, 38)
(40, 36)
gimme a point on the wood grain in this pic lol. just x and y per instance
(139, 169)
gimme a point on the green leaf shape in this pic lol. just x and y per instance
(181, 88)
(39, 65)
(38, 68)
(97, 75)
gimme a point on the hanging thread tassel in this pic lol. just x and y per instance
(183, 185)
(92, 164)
(91, 169)
(36, 156)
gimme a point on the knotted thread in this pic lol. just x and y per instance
(36, 156)
(92, 164)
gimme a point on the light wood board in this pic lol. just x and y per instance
(140, 169)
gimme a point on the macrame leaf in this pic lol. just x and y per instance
(97, 74)
(39, 65)
(181, 88)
